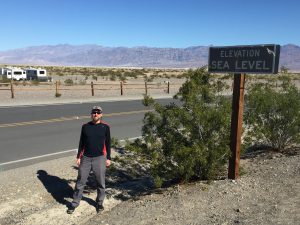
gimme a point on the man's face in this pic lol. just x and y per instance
(96, 115)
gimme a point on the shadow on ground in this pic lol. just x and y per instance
(59, 188)
(267, 151)
(126, 178)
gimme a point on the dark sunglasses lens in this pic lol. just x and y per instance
(96, 112)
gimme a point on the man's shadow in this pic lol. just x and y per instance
(57, 187)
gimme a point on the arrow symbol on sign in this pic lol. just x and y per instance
(271, 52)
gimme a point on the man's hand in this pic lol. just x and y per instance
(78, 161)
(107, 162)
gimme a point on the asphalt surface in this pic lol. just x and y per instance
(29, 132)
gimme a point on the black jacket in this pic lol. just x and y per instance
(94, 140)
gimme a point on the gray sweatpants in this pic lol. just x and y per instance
(97, 165)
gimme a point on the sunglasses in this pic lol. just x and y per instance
(96, 112)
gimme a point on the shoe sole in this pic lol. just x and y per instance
(98, 209)
(70, 211)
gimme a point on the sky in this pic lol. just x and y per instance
(150, 23)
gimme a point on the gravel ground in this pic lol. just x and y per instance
(268, 192)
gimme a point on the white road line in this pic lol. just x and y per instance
(36, 157)
(52, 154)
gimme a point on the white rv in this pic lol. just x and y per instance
(14, 73)
(36, 74)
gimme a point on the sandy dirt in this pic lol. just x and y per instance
(104, 90)
(268, 192)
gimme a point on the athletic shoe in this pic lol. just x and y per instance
(71, 209)
(99, 208)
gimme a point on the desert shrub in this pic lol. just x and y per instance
(95, 77)
(181, 75)
(273, 114)
(149, 78)
(112, 77)
(190, 140)
(69, 82)
(82, 82)
(133, 74)
(284, 69)
(115, 143)
(122, 78)
(5, 80)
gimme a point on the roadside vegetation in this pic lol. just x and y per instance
(190, 141)
(272, 117)
(113, 74)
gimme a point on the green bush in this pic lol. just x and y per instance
(95, 78)
(5, 80)
(273, 114)
(69, 82)
(149, 78)
(191, 140)
(122, 78)
(112, 77)
(82, 82)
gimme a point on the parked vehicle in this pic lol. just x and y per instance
(14, 73)
(36, 74)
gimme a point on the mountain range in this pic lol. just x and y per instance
(145, 57)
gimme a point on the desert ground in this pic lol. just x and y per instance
(268, 192)
(45, 93)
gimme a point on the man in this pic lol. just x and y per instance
(93, 154)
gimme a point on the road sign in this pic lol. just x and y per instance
(244, 59)
(240, 60)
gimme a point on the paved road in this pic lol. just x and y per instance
(32, 131)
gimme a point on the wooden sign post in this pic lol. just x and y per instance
(92, 88)
(236, 125)
(239, 60)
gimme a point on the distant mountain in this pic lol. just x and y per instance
(95, 55)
